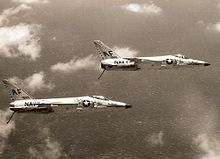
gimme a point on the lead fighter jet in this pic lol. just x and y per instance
(110, 61)
(22, 102)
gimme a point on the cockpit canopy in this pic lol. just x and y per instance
(100, 97)
(181, 56)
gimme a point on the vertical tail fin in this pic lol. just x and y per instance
(104, 51)
(15, 92)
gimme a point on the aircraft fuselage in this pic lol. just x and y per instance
(159, 62)
(67, 104)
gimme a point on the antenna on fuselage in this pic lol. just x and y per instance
(101, 74)
(11, 117)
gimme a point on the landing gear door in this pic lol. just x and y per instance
(63, 108)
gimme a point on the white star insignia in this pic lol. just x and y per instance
(86, 103)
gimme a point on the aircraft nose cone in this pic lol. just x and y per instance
(127, 106)
(206, 64)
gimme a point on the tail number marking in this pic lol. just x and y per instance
(109, 53)
(16, 92)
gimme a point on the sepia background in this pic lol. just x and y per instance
(47, 47)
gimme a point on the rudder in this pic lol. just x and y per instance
(15, 92)
(104, 51)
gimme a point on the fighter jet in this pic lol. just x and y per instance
(22, 102)
(110, 61)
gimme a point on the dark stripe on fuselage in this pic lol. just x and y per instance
(118, 67)
(27, 110)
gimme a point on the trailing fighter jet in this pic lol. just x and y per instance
(22, 102)
(110, 61)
